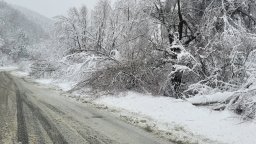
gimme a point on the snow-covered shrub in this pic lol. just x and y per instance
(198, 89)
(42, 69)
(77, 67)
(250, 67)
(5, 60)
(225, 41)
(244, 104)
(179, 80)
(183, 71)
(121, 77)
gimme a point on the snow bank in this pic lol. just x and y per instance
(20, 73)
(221, 126)
(14, 71)
(8, 68)
(44, 81)
(63, 85)
(213, 98)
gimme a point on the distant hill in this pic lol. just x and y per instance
(44, 22)
(21, 28)
(13, 21)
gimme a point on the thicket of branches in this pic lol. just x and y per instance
(163, 47)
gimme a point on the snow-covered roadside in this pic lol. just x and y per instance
(64, 86)
(20, 73)
(120, 106)
(14, 70)
(168, 114)
(178, 120)
(8, 68)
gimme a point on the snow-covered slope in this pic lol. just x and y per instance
(44, 22)
(13, 23)
(19, 30)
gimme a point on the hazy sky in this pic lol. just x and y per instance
(51, 8)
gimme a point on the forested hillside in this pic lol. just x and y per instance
(17, 33)
(44, 22)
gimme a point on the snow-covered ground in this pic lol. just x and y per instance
(14, 71)
(211, 98)
(168, 113)
(8, 68)
(20, 73)
(65, 86)
(179, 120)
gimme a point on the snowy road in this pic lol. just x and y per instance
(30, 113)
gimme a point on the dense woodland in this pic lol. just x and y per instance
(175, 48)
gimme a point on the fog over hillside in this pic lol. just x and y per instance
(13, 20)
(44, 22)
(18, 31)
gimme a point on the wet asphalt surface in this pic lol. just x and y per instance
(33, 114)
